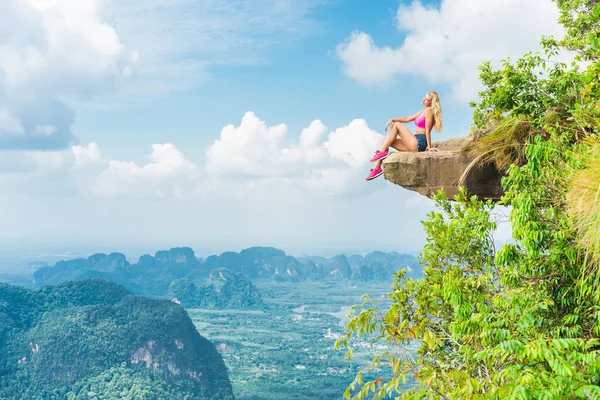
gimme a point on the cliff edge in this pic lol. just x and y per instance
(449, 168)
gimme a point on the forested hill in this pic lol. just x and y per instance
(92, 339)
(226, 289)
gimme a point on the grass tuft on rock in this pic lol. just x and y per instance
(583, 204)
(504, 143)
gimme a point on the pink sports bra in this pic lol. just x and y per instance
(420, 121)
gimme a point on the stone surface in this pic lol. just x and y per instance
(427, 172)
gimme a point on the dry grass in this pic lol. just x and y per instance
(583, 204)
(504, 144)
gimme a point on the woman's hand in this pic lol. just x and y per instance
(389, 123)
(431, 149)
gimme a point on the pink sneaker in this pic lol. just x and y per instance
(375, 172)
(379, 155)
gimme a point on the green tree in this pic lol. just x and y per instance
(522, 321)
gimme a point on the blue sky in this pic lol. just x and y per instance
(219, 124)
(295, 83)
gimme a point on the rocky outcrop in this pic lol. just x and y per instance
(449, 169)
(226, 290)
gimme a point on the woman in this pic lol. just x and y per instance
(431, 117)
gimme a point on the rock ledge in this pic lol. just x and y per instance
(448, 169)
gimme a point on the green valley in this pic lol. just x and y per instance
(286, 350)
(272, 334)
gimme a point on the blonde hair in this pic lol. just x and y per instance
(436, 107)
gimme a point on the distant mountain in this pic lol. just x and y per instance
(258, 262)
(113, 266)
(33, 265)
(226, 289)
(378, 265)
(93, 339)
(153, 275)
(371, 267)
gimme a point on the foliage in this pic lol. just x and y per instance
(61, 341)
(538, 92)
(583, 201)
(522, 321)
(121, 382)
(227, 289)
(504, 144)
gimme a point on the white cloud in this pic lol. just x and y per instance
(55, 53)
(89, 154)
(250, 149)
(253, 160)
(40, 174)
(38, 165)
(446, 44)
(51, 50)
(258, 154)
(168, 173)
(312, 135)
(64, 44)
(9, 124)
(35, 163)
(52, 161)
(354, 143)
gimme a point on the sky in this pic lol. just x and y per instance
(139, 125)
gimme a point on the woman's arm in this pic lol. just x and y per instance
(428, 127)
(406, 119)
(401, 119)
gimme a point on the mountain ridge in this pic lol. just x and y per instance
(153, 275)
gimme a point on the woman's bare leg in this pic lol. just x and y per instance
(408, 139)
(389, 138)
(397, 144)
(406, 142)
